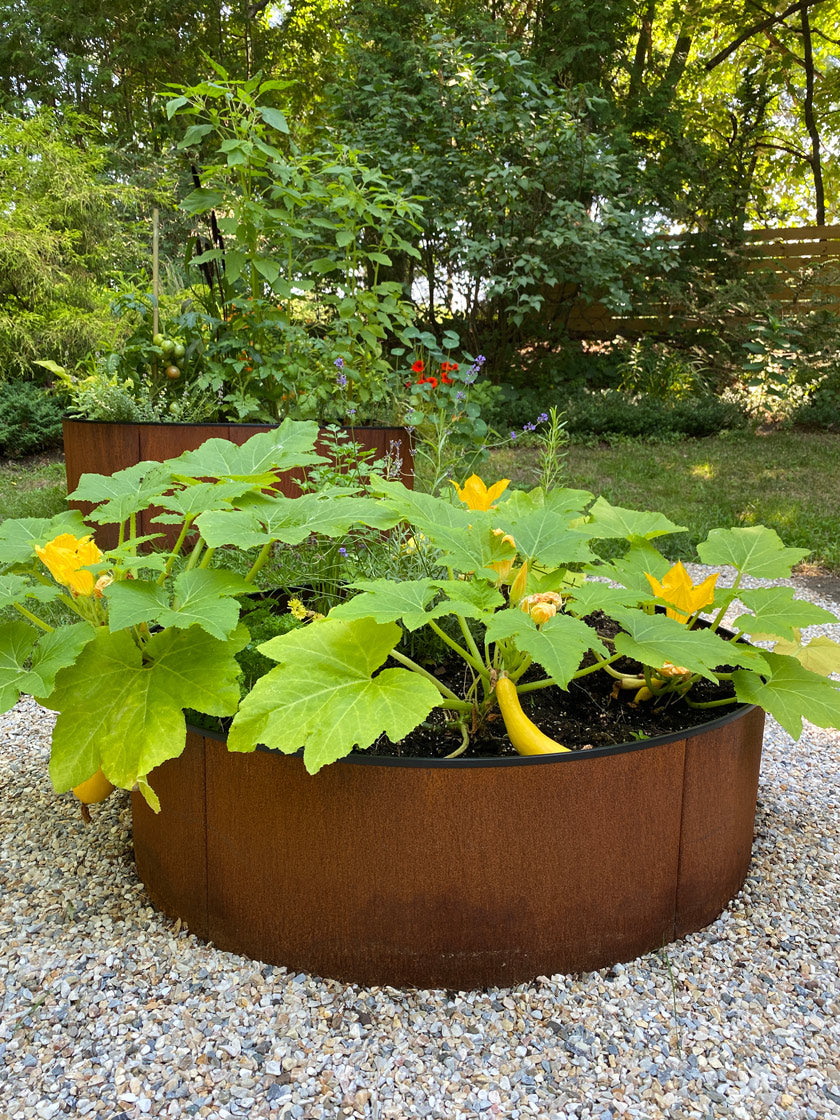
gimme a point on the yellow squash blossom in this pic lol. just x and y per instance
(67, 557)
(476, 495)
(685, 597)
(503, 567)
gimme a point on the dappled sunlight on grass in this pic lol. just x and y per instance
(785, 480)
(704, 471)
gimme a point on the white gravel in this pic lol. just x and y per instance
(108, 1010)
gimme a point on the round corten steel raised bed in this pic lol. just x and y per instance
(92, 447)
(455, 873)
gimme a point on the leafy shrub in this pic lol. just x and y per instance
(822, 409)
(30, 420)
(611, 413)
(615, 414)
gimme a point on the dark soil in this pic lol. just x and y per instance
(586, 716)
(590, 714)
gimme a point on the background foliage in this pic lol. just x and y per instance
(535, 148)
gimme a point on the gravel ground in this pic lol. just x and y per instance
(109, 1010)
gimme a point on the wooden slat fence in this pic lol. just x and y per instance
(800, 266)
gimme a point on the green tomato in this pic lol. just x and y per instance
(179, 351)
(168, 347)
(158, 339)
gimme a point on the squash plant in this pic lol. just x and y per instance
(513, 582)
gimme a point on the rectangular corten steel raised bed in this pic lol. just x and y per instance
(456, 874)
(91, 447)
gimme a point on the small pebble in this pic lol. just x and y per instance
(107, 1010)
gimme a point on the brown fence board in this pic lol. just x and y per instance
(804, 260)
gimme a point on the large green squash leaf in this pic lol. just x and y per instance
(407, 601)
(202, 596)
(121, 709)
(777, 613)
(124, 493)
(195, 499)
(653, 639)
(754, 551)
(558, 646)
(791, 693)
(267, 518)
(324, 697)
(16, 588)
(290, 445)
(607, 521)
(29, 661)
(629, 570)
(539, 523)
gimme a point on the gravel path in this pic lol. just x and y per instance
(109, 1010)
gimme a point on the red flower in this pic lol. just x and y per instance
(446, 379)
(448, 367)
(418, 367)
(433, 381)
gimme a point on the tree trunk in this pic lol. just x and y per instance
(810, 119)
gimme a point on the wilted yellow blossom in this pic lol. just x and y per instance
(541, 606)
(670, 670)
(477, 495)
(101, 584)
(67, 557)
(677, 589)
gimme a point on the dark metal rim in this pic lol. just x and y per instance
(359, 758)
(217, 424)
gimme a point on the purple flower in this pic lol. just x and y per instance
(351, 412)
(342, 552)
(341, 381)
(459, 396)
(339, 363)
(529, 427)
(542, 418)
(513, 435)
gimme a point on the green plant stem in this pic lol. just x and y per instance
(206, 558)
(179, 544)
(532, 686)
(521, 669)
(198, 548)
(719, 616)
(260, 561)
(33, 618)
(598, 665)
(465, 742)
(468, 638)
(710, 703)
(454, 701)
(476, 664)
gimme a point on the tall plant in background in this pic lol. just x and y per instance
(292, 265)
(522, 185)
(64, 228)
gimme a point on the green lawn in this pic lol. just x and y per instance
(789, 481)
(33, 487)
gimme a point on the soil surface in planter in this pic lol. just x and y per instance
(592, 713)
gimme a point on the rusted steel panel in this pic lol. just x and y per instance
(93, 448)
(170, 848)
(458, 875)
(456, 878)
(721, 784)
